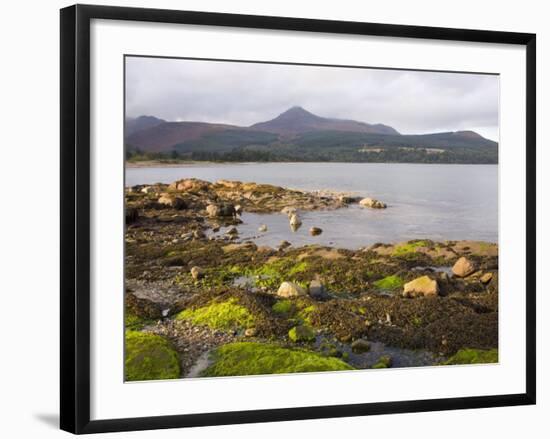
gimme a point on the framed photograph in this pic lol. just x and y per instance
(268, 218)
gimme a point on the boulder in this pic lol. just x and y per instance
(372, 203)
(232, 231)
(360, 345)
(301, 333)
(142, 307)
(463, 267)
(262, 228)
(317, 290)
(314, 231)
(197, 273)
(223, 210)
(421, 286)
(238, 209)
(172, 201)
(212, 210)
(295, 220)
(131, 215)
(486, 278)
(283, 245)
(295, 227)
(290, 289)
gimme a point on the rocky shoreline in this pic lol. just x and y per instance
(196, 291)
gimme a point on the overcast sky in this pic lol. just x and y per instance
(245, 93)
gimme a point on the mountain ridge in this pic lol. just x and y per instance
(297, 134)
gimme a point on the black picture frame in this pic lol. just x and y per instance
(75, 217)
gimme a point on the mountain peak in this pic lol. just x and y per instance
(297, 111)
(298, 120)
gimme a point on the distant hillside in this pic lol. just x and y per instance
(298, 135)
(141, 123)
(165, 136)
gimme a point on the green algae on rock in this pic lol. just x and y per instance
(301, 333)
(383, 362)
(409, 247)
(220, 315)
(284, 307)
(243, 358)
(473, 356)
(391, 282)
(149, 357)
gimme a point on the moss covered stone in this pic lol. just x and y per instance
(383, 362)
(474, 356)
(283, 307)
(134, 322)
(149, 357)
(301, 333)
(409, 247)
(389, 282)
(237, 359)
(274, 273)
(220, 315)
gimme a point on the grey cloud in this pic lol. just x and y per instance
(246, 93)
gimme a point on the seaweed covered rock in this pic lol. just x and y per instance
(442, 324)
(238, 359)
(234, 310)
(301, 333)
(421, 286)
(317, 290)
(360, 345)
(474, 356)
(383, 362)
(149, 357)
(340, 318)
(142, 307)
(228, 314)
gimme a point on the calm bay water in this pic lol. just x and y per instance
(439, 202)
